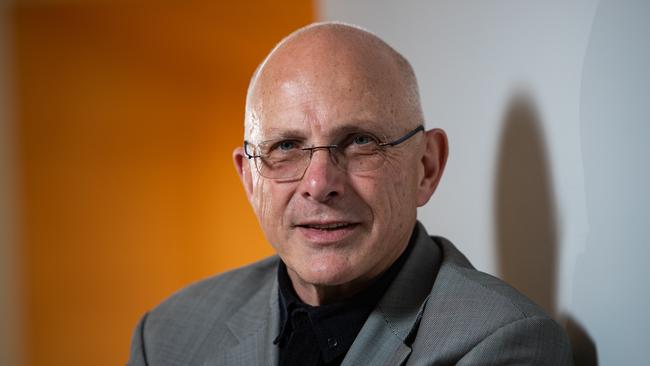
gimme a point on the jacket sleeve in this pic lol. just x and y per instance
(529, 341)
(138, 355)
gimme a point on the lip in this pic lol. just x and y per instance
(329, 236)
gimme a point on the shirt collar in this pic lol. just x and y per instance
(335, 325)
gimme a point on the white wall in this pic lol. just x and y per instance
(546, 107)
(10, 333)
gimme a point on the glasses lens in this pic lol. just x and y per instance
(285, 166)
(360, 152)
(286, 161)
(363, 161)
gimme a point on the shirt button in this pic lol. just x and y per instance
(332, 342)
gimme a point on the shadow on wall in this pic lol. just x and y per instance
(527, 235)
(525, 209)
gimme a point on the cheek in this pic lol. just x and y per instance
(397, 189)
(260, 197)
(376, 192)
(270, 202)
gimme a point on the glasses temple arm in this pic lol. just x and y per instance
(405, 137)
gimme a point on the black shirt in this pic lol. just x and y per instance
(322, 335)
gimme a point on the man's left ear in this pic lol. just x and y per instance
(432, 163)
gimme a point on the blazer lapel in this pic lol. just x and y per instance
(376, 344)
(255, 331)
(386, 337)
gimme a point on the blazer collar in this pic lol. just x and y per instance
(255, 327)
(386, 337)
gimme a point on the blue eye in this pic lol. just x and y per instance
(287, 145)
(362, 139)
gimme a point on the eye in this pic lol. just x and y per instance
(359, 143)
(286, 145)
(362, 139)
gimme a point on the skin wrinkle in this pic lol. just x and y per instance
(318, 83)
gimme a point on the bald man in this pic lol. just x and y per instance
(335, 162)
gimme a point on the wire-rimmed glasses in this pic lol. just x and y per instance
(288, 159)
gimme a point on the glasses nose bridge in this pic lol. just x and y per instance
(332, 151)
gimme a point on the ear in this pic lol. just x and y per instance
(243, 167)
(433, 164)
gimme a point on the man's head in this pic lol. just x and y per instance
(337, 225)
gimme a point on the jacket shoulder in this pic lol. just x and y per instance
(467, 307)
(458, 279)
(180, 324)
(225, 291)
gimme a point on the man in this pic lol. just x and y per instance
(334, 163)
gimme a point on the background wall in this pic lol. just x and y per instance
(10, 324)
(117, 121)
(126, 114)
(546, 105)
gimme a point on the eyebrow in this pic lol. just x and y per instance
(358, 127)
(348, 128)
(281, 134)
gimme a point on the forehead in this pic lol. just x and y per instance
(321, 82)
(323, 105)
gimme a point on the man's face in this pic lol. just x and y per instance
(376, 209)
(336, 229)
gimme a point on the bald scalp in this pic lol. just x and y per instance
(326, 49)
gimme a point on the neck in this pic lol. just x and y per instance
(316, 295)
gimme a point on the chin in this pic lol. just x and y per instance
(327, 271)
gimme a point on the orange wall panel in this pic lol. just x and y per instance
(127, 116)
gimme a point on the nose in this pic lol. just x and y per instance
(323, 180)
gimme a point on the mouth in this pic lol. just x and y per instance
(327, 227)
(326, 232)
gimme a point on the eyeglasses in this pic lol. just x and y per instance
(288, 159)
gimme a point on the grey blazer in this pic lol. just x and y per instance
(439, 310)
